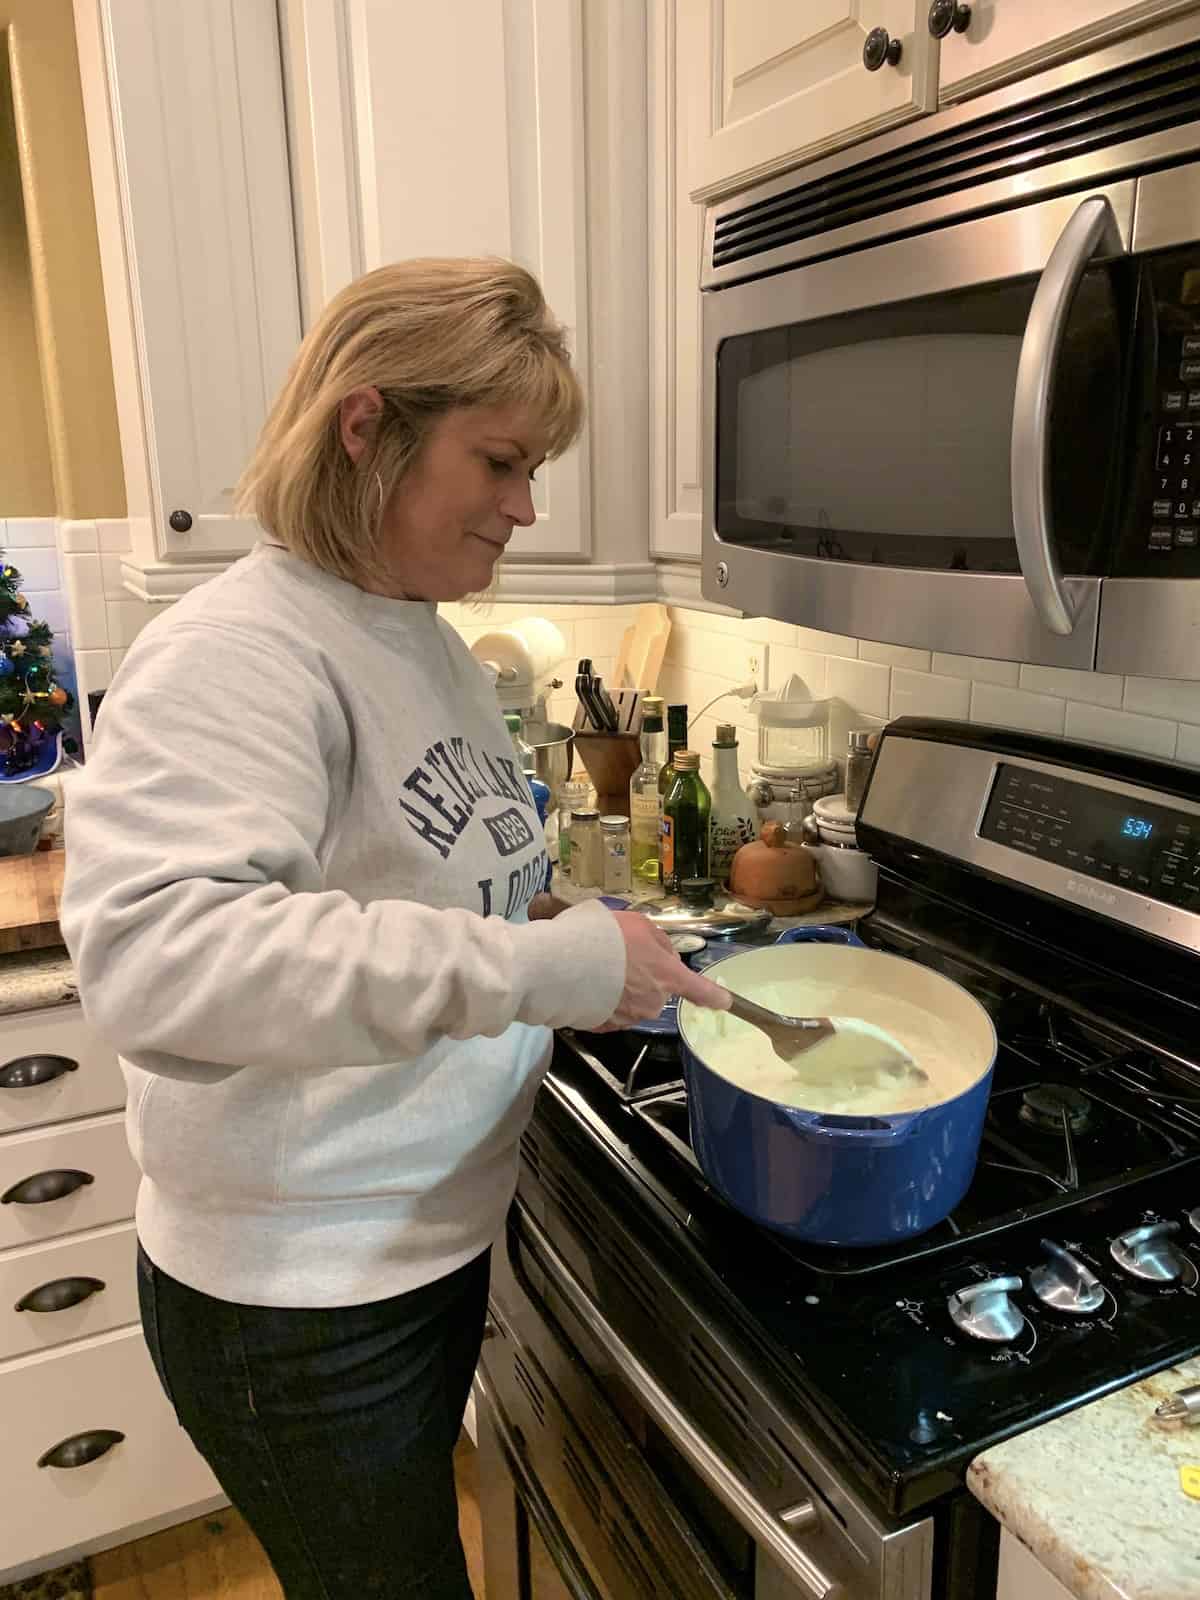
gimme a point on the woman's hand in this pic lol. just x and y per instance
(653, 973)
(544, 906)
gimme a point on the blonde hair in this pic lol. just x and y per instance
(431, 335)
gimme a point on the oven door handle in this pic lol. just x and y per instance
(1092, 229)
(535, 1500)
(774, 1532)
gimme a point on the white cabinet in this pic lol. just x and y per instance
(93, 1455)
(1007, 38)
(676, 105)
(788, 81)
(1022, 1576)
(449, 130)
(190, 164)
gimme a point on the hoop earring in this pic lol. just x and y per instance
(379, 486)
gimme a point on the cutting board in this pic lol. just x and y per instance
(642, 650)
(30, 887)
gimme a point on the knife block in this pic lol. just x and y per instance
(611, 759)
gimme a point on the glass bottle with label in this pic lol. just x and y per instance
(643, 795)
(677, 736)
(685, 825)
(733, 815)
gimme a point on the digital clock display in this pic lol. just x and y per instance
(1136, 828)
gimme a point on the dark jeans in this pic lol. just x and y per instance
(332, 1431)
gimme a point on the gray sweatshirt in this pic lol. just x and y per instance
(299, 863)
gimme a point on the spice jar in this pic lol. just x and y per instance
(617, 877)
(587, 860)
(572, 796)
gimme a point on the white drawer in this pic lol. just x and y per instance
(106, 1385)
(96, 1149)
(65, 1273)
(92, 1082)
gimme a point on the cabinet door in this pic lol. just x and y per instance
(788, 81)
(196, 102)
(1007, 38)
(1022, 1576)
(676, 104)
(463, 127)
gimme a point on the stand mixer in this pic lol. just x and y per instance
(521, 659)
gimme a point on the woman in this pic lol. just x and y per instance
(302, 867)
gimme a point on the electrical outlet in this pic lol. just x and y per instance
(755, 665)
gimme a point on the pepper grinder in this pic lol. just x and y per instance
(858, 765)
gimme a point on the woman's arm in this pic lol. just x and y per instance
(194, 906)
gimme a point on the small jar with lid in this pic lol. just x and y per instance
(617, 874)
(587, 856)
(573, 795)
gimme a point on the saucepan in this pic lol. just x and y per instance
(861, 1173)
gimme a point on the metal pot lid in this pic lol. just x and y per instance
(721, 916)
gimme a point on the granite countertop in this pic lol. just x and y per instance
(32, 980)
(1096, 1495)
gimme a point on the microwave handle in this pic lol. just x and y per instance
(773, 1532)
(1092, 227)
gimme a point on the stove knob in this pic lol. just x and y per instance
(1147, 1252)
(984, 1311)
(1065, 1284)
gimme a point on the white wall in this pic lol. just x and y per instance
(104, 619)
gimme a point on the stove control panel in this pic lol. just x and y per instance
(1150, 848)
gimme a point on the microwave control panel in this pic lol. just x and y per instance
(1148, 847)
(1164, 537)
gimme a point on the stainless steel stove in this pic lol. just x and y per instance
(691, 1405)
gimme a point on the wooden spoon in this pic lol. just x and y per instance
(793, 1037)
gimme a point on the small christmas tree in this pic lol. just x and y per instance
(32, 704)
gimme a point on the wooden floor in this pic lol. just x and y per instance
(218, 1558)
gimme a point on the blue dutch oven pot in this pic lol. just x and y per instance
(834, 1179)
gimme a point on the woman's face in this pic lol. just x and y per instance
(449, 519)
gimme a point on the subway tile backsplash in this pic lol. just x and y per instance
(710, 654)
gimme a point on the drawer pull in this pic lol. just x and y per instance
(26, 1072)
(81, 1448)
(44, 1186)
(60, 1294)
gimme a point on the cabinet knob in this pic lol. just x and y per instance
(880, 49)
(44, 1186)
(81, 1448)
(947, 17)
(181, 521)
(60, 1294)
(26, 1072)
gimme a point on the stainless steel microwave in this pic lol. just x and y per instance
(952, 376)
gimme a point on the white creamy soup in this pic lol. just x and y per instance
(861, 1071)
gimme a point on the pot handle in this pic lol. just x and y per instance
(826, 934)
(865, 1130)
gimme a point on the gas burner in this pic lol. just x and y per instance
(1050, 1107)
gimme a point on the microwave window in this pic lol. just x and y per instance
(884, 436)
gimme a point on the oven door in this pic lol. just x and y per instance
(644, 1502)
(881, 458)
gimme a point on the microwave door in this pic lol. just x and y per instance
(859, 416)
